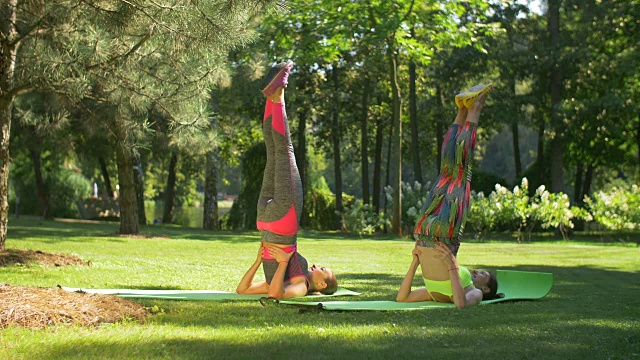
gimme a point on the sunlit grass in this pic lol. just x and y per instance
(590, 313)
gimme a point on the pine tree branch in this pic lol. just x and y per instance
(125, 55)
(96, 7)
(206, 17)
(163, 6)
(31, 31)
(142, 10)
(20, 90)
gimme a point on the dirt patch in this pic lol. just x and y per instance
(40, 307)
(27, 257)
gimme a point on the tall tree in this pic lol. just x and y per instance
(557, 148)
(141, 54)
(335, 139)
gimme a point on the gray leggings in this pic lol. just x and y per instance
(280, 203)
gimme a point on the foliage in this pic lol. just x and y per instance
(70, 187)
(362, 219)
(551, 210)
(64, 187)
(243, 212)
(617, 209)
(320, 206)
(481, 216)
(504, 209)
(485, 182)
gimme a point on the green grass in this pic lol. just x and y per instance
(591, 312)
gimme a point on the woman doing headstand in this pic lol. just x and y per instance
(437, 232)
(279, 208)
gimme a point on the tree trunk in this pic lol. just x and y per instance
(43, 198)
(387, 180)
(638, 141)
(377, 163)
(516, 146)
(170, 190)
(127, 196)
(577, 195)
(413, 113)
(105, 177)
(7, 68)
(335, 136)
(515, 133)
(139, 184)
(577, 191)
(210, 219)
(557, 146)
(588, 178)
(540, 154)
(301, 149)
(364, 140)
(396, 222)
(5, 160)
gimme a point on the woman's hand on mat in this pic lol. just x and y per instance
(279, 254)
(445, 254)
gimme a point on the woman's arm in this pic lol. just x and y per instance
(404, 293)
(277, 288)
(461, 298)
(247, 286)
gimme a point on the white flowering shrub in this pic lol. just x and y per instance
(502, 209)
(413, 200)
(516, 211)
(511, 210)
(482, 215)
(362, 219)
(617, 209)
(551, 210)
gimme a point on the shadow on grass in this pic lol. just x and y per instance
(579, 312)
(61, 230)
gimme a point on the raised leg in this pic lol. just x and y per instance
(267, 190)
(444, 212)
(279, 215)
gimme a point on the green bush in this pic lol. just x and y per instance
(362, 219)
(64, 188)
(516, 211)
(413, 200)
(320, 206)
(486, 182)
(616, 209)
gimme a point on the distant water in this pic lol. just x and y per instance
(183, 216)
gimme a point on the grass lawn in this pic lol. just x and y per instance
(591, 313)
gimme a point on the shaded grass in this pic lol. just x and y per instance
(590, 313)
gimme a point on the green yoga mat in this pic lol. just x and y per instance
(516, 285)
(211, 295)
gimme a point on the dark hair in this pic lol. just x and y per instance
(332, 285)
(493, 289)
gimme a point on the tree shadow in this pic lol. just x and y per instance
(509, 330)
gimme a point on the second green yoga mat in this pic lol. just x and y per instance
(516, 285)
(211, 295)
